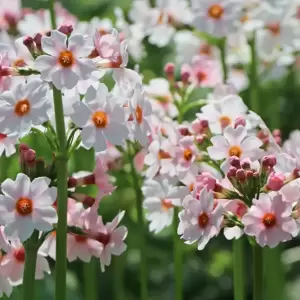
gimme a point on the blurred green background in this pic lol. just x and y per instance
(207, 274)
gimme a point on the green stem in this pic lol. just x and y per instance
(28, 292)
(239, 269)
(90, 276)
(118, 265)
(52, 13)
(258, 285)
(178, 264)
(141, 226)
(253, 77)
(222, 47)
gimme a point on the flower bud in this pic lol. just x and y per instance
(200, 139)
(240, 175)
(275, 181)
(185, 74)
(204, 123)
(231, 172)
(72, 182)
(184, 130)
(235, 162)
(28, 42)
(276, 132)
(38, 41)
(278, 139)
(239, 121)
(249, 174)
(245, 164)
(23, 148)
(268, 161)
(66, 29)
(169, 70)
(29, 157)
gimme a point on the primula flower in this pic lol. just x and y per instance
(160, 199)
(5, 284)
(13, 263)
(7, 144)
(102, 119)
(234, 142)
(66, 62)
(269, 220)
(199, 220)
(216, 17)
(141, 109)
(26, 206)
(22, 107)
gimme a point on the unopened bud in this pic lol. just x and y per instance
(277, 139)
(29, 157)
(245, 164)
(268, 161)
(204, 123)
(185, 74)
(72, 182)
(235, 162)
(169, 70)
(23, 148)
(38, 41)
(240, 175)
(184, 130)
(275, 181)
(239, 121)
(66, 29)
(28, 42)
(231, 172)
(249, 174)
(200, 139)
(276, 132)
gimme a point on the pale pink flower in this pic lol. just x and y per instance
(5, 70)
(48, 248)
(204, 180)
(275, 181)
(139, 160)
(234, 142)
(7, 144)
(13, 262)
(269, 220)
(26, 206)
(5, 284)
(199, 220)
(66, 62)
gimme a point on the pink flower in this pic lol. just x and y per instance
(269, 220)
(200, 221)
(275, 181)
(139, 160)
(205, 180)
(49, 246)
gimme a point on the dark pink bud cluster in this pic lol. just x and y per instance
(268, 162)
(169, 70)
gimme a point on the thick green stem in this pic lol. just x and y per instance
(253, 77)
(141, 227)
(28, 291)
(239, 271)
(222, 47)
(90, 277)
(258, 285)
(178, 264)
(118, 269)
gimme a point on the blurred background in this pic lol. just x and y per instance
(207, 274)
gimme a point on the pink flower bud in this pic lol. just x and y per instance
(239, 121)
(28, 42)
(235, 162)
(240, 175)
(23, 148)
(276, 132)
(245, 164)
(38, 41)
(268, 161)
(249, 174)
(185, 73)
(277, 139)
(200, 139)
(66, 29)
(72, 182)
(275, 181)
(206, 180)
(29, 157)
(231, 172)
(204, 123)
(184, 130)
(169, 70)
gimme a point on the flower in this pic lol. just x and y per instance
(7, 144)
(102, 119)
(216, 17)
(160, 198)
(66, 63)
(269, 220)
(26, 206)
(22, 107)
(13, 263)
(49, 246)
(199, 220)
(141, 109)
(234, 142)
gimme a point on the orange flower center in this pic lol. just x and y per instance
(269, 220)
(191, 187)
(244, 18)
(274, 28)
(216, 11)
(166, 204)
(224, 121)
(66, 59)
(80, 238)
(19, 255)
(2, 136)
(100, 119)
(163, 154)
(19, 63)
(139, 114)
(102, 31)
(187, 154)
(203, 220)
(235, 151)
(201, 76)
(24, 206)
(22, 108)
(205, 49)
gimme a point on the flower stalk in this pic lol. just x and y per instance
(253, 77)
(238, 269)
(257, 272)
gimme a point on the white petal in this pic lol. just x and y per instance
(88, 135)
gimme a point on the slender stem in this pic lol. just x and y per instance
(239, 269)
(141, 227)
(222, 47)
(52, 13)
(258, 286)
(254, 99)
(178, 264)
(118, 269)
(90, 277)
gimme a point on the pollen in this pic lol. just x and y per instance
(216, 11)
(66, 59)
(225, 121)
(22, 108)
(100, 119)
(24, 207)
(235, 151)
(139, 114)
(19, 63)
(163, 154)
(269, 220)
(203, 220)
(166, 204)
(188, 154)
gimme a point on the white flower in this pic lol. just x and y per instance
(102, 118)
(234, 142)
(23, 107)
(26, 206)
(140, 108)
(66, 62)
(216, 17)
(160, 199)
(7, 144)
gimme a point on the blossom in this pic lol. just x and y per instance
(200, 221)
(102, 119)
(66, 63)
(26, 206)
(13, 263)
(49, 246)
(160, 198)
(269, 220)
(234, 142)
(22, 107)
(7, 144)
(216, 17)
(140, 108)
